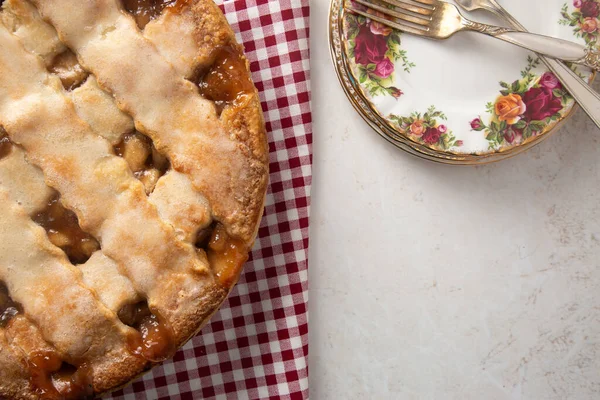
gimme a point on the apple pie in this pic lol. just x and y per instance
(133, 173)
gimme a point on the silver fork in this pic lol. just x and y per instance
(583, 94)
(436, 19)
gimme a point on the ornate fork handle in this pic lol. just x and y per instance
(552, 47)
(486, 29)
(591, 59)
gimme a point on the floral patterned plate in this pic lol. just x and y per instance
(467, 99)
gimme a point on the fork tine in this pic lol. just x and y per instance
(427, 2)
(420, 31)
(420, 20)
(409, 7)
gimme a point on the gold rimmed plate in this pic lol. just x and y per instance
(466, 100)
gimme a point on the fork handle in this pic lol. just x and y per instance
(552, 47)
(587, 98)
(584, 95)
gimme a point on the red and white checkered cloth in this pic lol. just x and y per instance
(256, 346)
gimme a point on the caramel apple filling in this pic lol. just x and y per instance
(154, 342)
(226, 256)
(72, 382)
(226, 82)
(63, 231)
(204, 235)
(8, 308)
(147, 164)
(41, 366)
(53, 379)
(68, 69)
(144, 11)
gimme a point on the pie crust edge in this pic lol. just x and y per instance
(248, 128)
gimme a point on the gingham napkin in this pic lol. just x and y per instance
(256, 347)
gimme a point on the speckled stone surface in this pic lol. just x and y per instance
(437, 282)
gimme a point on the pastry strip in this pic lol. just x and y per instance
(47, 286)
(166, 107)
(178, 203)
(98, 186)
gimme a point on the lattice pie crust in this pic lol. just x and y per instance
(133, 172)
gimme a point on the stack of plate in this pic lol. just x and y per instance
(470, 99)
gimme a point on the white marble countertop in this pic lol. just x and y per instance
(410, 299)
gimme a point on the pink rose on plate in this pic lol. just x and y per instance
(442, 128)
(417, 128)
(384, 68)
(432, 136)
(459, 143)
(577, 3)
(377, 28)
(476, 124)
(541, 104)
(590, 8)
(369, 48)
(590, 25)
(513, 136)
(550, 81)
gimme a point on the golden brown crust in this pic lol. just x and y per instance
(14, 379)
(211, 28)
(245, 121)
(199, 314)
(205, 23)
(245, 125)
